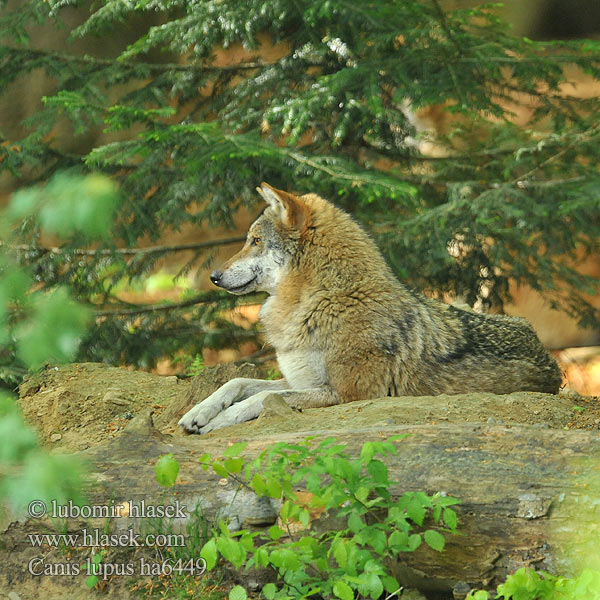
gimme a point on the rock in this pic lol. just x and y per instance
(114, 397)
(56, 437)
(460, 590)
(274, 406)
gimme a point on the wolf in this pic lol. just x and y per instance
(344, 328)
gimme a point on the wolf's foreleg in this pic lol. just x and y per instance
(249, 409)
(233, 391)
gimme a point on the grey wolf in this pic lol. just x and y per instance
(344, 328)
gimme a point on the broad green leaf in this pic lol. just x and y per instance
(219, 469)
(234, 465)
(366, 452)
(338, 549)
(235, 449)
(434, 539)
(238, 593)
(378, 471)
(414, 541)
(166, 469)
(355, 523)
(275, 532)
(273, 487)
(209, 554)
(450, 519)
(258, 484)
(342, 590)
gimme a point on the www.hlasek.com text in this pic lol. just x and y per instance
(94, 538)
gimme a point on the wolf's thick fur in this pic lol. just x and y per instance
(344, 328)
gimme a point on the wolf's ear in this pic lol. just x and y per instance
(292, 211)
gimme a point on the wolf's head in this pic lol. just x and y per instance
(271, 243)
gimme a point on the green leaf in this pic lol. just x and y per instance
(338, 549)
(209, 554)
(435, 540)
(378, 471)
(238, 593)
(390, 584)
(374, 585)
(166, 470)
(204, 460)
(355, 523)
(275, 532)
(342, 590)
(478, 595)
(398, 540)
(304, 517)
(367, 452)
(261, 556)
(376, 538)
(414, 541)
(235, 449)
(231, 550)
(285, 559)
(219, 469)
(450, 519)
(234, 465)
(258, 484)
(273, 487)
(269, 591)
(416, 511)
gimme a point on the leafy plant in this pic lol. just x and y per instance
(371, 527)
(527, 584)
(193, 365)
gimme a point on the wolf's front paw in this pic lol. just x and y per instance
(195, 418)
(243, 411)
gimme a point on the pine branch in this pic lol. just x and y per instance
(584, 137)
(155, 67)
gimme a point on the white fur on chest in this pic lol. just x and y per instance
(303, 369)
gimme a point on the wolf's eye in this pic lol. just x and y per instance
(255, 241)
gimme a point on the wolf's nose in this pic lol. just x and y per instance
(215, 276)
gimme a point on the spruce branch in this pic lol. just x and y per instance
(94, 61)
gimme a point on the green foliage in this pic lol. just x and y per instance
(192, 365)
(47, 325)
(27, 473)
(188, 138)
(38, 326)
(371, 527)
(527, 584)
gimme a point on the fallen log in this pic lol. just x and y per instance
(528, 493)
